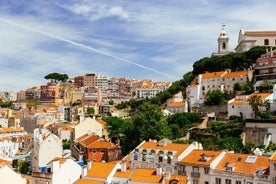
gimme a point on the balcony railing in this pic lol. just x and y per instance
(265, 66)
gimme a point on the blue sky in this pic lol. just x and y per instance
(140, 39)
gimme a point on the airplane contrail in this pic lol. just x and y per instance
(83, 46)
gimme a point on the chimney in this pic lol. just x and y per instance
(123, 166)
(89, 164)
(84, 172)
(158, 170)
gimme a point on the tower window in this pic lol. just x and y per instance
(266, 42)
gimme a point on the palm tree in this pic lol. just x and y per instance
(256, 102)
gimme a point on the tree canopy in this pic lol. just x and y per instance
(234, 61)
(55, 77)
(215, 97)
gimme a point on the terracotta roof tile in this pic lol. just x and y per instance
(241, 165)
(87, 181)
(212, 75)
(102, 144)
(260, 33)
(179, 178)
(195, 157)
(237, 102)
(100, 169)
(235, 74)
(178, 148)
(86, 140)
(145, 175)
(177, 104)
(124, 174)
(101, 122)
(262, 95)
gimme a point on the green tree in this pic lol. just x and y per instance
(265, 86)
(147, 123)
(237, 86)
(66, 144)
(230, 143)
(255, 101)
(90, 111)
(115, 126)
(24, 167)
(215, 97)
(248, 88)
(111, 102)
(54, 77)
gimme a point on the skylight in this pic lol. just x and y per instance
(251, 159)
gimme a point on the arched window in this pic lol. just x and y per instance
(223, 45)
(266, 42)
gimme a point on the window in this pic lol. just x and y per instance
(266, 42)
(181, 170)
(169, 161)
(160, 158)
(102, 151)
(233, 106)
(227, 181)
(135, 157)
(144, 157)
(223, 45)
(151, 158)
(94, 151)
(195, 182)
(169, 170)
(218, 180)
(238, 182)
(206, 170)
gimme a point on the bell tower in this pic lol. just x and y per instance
(223, 42)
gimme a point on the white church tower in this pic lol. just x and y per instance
(223, 40)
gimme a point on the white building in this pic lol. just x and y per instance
(209, 81)
(57, 171)
(7, 175)
(8, 148)
(249, 39)
(164, 154)
(241, 168)
(47, 146)
(239, 106)
(89, 125)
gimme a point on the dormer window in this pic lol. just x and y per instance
(229, 167)
(203, 157)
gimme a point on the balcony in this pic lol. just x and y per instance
(265, 66)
